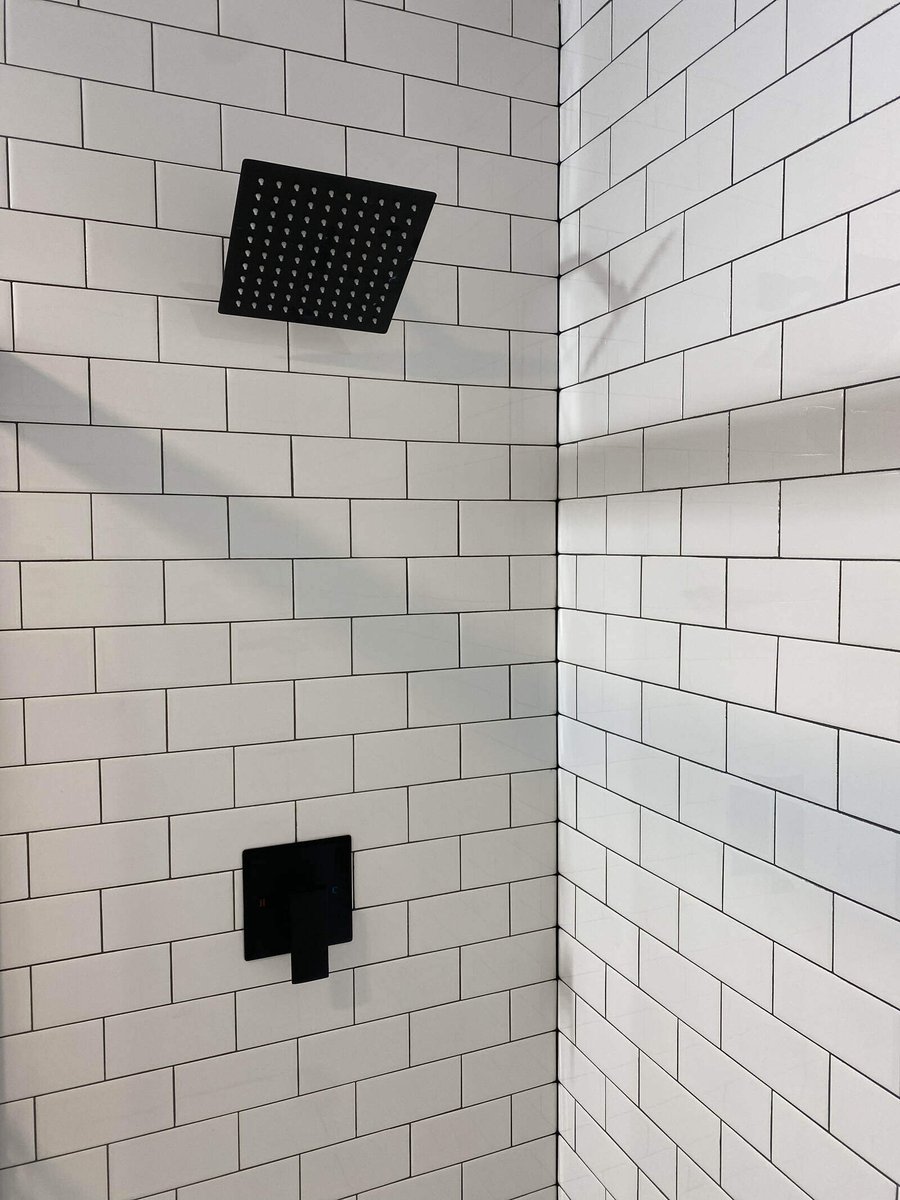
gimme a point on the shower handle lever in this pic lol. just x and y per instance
(308, 916)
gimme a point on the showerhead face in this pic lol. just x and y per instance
(320, 249)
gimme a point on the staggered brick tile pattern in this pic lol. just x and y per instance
(729, 591)
(261, 582)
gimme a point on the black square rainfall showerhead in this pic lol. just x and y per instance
(320, 249)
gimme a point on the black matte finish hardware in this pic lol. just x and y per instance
(298, 900)
(320, 249)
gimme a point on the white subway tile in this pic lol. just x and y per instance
(104, 1112)
(874, 256)
(741, 65)
(726, 949)
(744, 1172)
(279, 1179)
(89, 726)
(162, 912)
(684, 724)
(522, 1064)
(98, 856)
(267, 774)
(803, 1150)
(777, 1054)
(874, 75)
(44, 388)
(277, 1012)
(52, 1059)
(737, 519)
(502, 184)
(808, 200)
(695, 1129)
(690, 172)
(407, 756)
(865, 949)
(777, 751)
(467, 806)
(734, 372)
(612, 217)
(81, 183)
(419, 982)
(404, 527)
(610, 465)
(42, 249)
(237, 714)
(810, 269)
(866, 780)
(838, 517)
(840, 685)
(161, 657)
(82, 1175)
(46, 662)
(442, 112)
(508, 415)
(48, 797)
(223, 590)
(317, 30)
(641, 1139)
(793, 112)
(108, 324)
(613, 342)
(405, 643)
(268, 402)
(690, 860)
(511, 66)
(685, 34)
(790, 910)
(400, 410)
(202, 843)
(359, 1164)
(733, 666)
(838, 852)
(736, 812)
(194, 199)
(407, 1096)
(209, 68)
(689, 313)
(68, 42)
(72, 458)
(294, 1126)
(39, 105)
(735, 222)
(192, 331)
(155, 394)
(17, 1125)
(497, 747)
(154, 261)
(159, 1037)
(507, 527)
(175, 1157)
(47, 929)
(798, 598)
(794, 437)
(350, 705)
(406, 161)
(648, 131)
(214, 1086)
(618, 88)
(80, 989)
(342, 93)
(812, 27)
(125, 120)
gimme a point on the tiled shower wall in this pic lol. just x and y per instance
(261, 582)
(730, 678)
